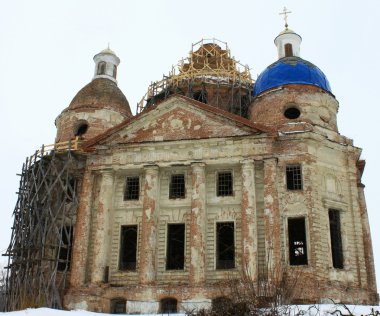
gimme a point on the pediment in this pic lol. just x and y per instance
(177, 118)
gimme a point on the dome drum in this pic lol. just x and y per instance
(295, 103)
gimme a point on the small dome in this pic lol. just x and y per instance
(101, 93)
(290, 70)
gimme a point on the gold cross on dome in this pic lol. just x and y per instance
(285, 13)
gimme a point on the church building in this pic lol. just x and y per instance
(217, 177)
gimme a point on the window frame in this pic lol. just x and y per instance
(65, 250)
(337, 259)
(292, 259)
(295, 186)
(173, 196)
(115, 305)
(167, 248)
(217, 183)
(217, 259)
(123, 266)
(125, 199)
(165, 300)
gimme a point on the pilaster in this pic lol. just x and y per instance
(249, 220)
(149, 226)
(197, 224)
(102, 226)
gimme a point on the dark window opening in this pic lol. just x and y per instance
(114, 71)
(64, 255)
(292, 113)
(294, 177)
(175, 252)
(101, 68)
(297, 241)
(118, 306)
(336, 239)
(168, 305)
(128, 247)
(225, 245)
(200, 96)
(132, 188)
(81, 129)
(288, 50)
(177, 186)
(224, 184)
(71, 190)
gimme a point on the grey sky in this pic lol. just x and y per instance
(46, 50)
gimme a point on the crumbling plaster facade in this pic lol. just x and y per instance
(177, 136)
(286, 120)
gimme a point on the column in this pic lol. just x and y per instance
(272, 220)
(101, 241)
(198, 224)
(249, 220)
(149, 226)
(81, 232)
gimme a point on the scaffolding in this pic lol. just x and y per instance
(44, 216)
(209, 75)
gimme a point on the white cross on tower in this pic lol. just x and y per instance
(285, 13)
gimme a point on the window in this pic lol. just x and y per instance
(128, 247)
(175, 251)
(294, 177)
(81, 129)
(168, 305)
(292, 113)
(225, 245)
(101, 68)
(297, 241)
(224, 184)
(336, 239)
(114, 71)
(200, 96)
(132, 188)
(118, 306)
(177, 186)
(288, 50)
(64, 255)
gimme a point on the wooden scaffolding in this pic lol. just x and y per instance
(44, 216)
(209, 75)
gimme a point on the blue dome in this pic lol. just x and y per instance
(290, 70)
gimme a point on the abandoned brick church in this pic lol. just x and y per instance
(216, 177)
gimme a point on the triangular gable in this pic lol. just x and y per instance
(176, 118)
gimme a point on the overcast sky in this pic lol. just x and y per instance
(46, 51)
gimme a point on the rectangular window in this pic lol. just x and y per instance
(175, 251)
(224, 184)
(177, 186)
(128, 247)
(64, 255)
(336, 239)
(294, 177)
(225, 245)
(297, 241)
(132, 188)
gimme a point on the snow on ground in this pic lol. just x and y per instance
(307, 310)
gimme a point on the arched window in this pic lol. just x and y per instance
(168, 305)
(200, 96)
(288, 50)
(101, 68)
(81, 128)
(114, 71)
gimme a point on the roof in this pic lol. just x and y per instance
(290, 70)
(101, 93)
(238, 120)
